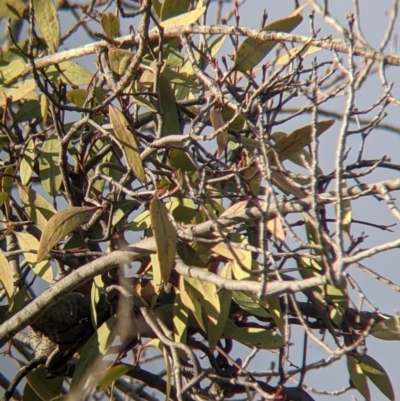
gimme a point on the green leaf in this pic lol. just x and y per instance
(225, 300)
(28, 111)
(253, 336)
(172, 8)
(206, 294)
(183, 165)
(44, 107)
(77, 96)
(300, 138)
(122, 210)
(184, 19)
(17, 302)
(29, 395)
(377, 374)
(42, 269)
(110, 24)
(165, 237)
(35, 206)
(5, 276)
(95, 293)
(45, 388)
(143, 102)
(18, 91)
(46, 18)
(119, 60)
(93, 354)
(252, 51)
(358, 377)
(127, 138)
(112, 375)
(180, 319)
(69, 73)
(387, 329)
(217, 122)
(140, 222)
(168, 105)
(60, 225)
(13, 9)
(50, 174)
(11, 70)
(249, 305)
(27, 162)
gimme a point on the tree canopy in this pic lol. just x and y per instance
(185, 194)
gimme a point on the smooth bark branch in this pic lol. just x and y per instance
(172, 32)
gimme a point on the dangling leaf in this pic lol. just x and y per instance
(358, 377)
(168, 105)
(50, 173)
(110, 24)
(127, 138)
(299, 139)
(217, 122)
(5, 276)
(46, 18)
(376, 374)
(42, 269)
(60, 225)
(27, 162)
(36, 206)
(165, 237)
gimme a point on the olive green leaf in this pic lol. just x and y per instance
(29, 242)
(217, 122)
(44, 107)
(291, 144)
(358, 377)
(387, 329)
(69, 73)
(13, 9)
(50, 173)
(77, 96)
(5, 276)
(249, 304)
(377, 374)
(60, 225)
(46, 18)
(180, 319)
(168, 105)
(172, 8)
(28, 111)
(95, 293)
(119, 60)
(18, 91)
(111, 375)
(110, 24)
(27, 162)
(93, 352)
(11, 70)
(36, 206)
(259, 337)
(127, 138)
(44, 387)
(184, 19)
(252, 50)
(165, 237)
